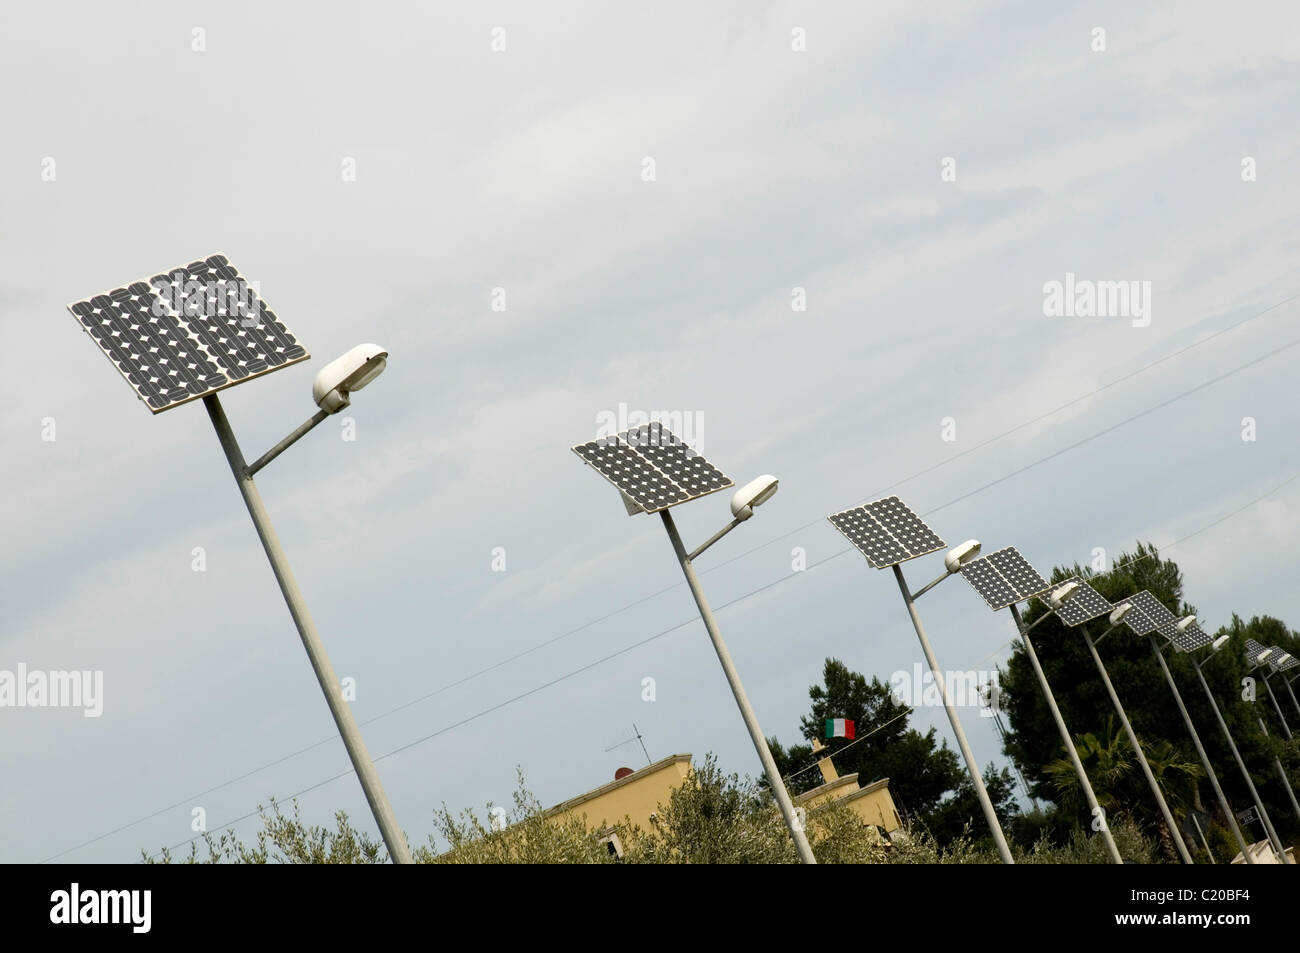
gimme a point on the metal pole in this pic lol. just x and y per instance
(1241, 765)
(1137, 749)
(733, 678)
(1277, 763)
(1204, 842)
(1200, 750)
(1097, 812)
(1286, 729)
(300, 431)
(1292, 694)
(995, 828)
(394, 839)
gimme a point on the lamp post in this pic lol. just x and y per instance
(654, 470)
(1054, 602)
(955, 558)
(337, 391)
(1276, 841)
(1116, 619)
(888, 533)
(186, 334)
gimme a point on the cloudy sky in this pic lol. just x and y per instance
(795, 145)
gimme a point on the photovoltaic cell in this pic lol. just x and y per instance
(187, 333)
(1086, 603)
(653, 466)
(887, 532)
(1004, 578)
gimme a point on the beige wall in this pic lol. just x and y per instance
(635, 797)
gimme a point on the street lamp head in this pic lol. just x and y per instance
(1186, 623)
(1061, 596)
(1118, 614)
(333, 387)
(1219, 643)
(754, 493)
(1262, 657)
(959, 556)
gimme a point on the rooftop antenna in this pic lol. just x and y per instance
(636, 737)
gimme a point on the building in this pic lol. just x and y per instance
(873, 803)
(638, 795)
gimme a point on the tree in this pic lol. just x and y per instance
(926, 778)
(1034, 743)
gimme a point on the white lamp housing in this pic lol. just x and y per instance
(959, 556)
(1119, 612)
(337, 380)
(1062, 595)
(1259, 659)
(754, 493)
(1186, 623)
(1219, 643)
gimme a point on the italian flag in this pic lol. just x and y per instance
(839, 727)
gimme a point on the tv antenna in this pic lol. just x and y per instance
(636, 737)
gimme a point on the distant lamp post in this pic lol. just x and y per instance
(1086, 605)
(1186, 625)
(1003, 579)
(1147, 617)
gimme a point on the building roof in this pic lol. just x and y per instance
(621, 782)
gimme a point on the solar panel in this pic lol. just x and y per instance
(1254, 650)
(1086, 603)
(653, 466)
(1004, 578)
(193, 331)
(1152, 607)
(1287, 662)
(1138, 621)
(1189, 640)
(887, 532)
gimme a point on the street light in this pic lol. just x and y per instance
(201, 328)
(1087, 605)
(1145, 618)
(1256, 655)
(1002, 580)
(1184, 625)
(654, 470)
(888, 533)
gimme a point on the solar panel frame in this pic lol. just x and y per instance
(887, 531)
(1085, 605)
(174, 355)
(653, 467)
